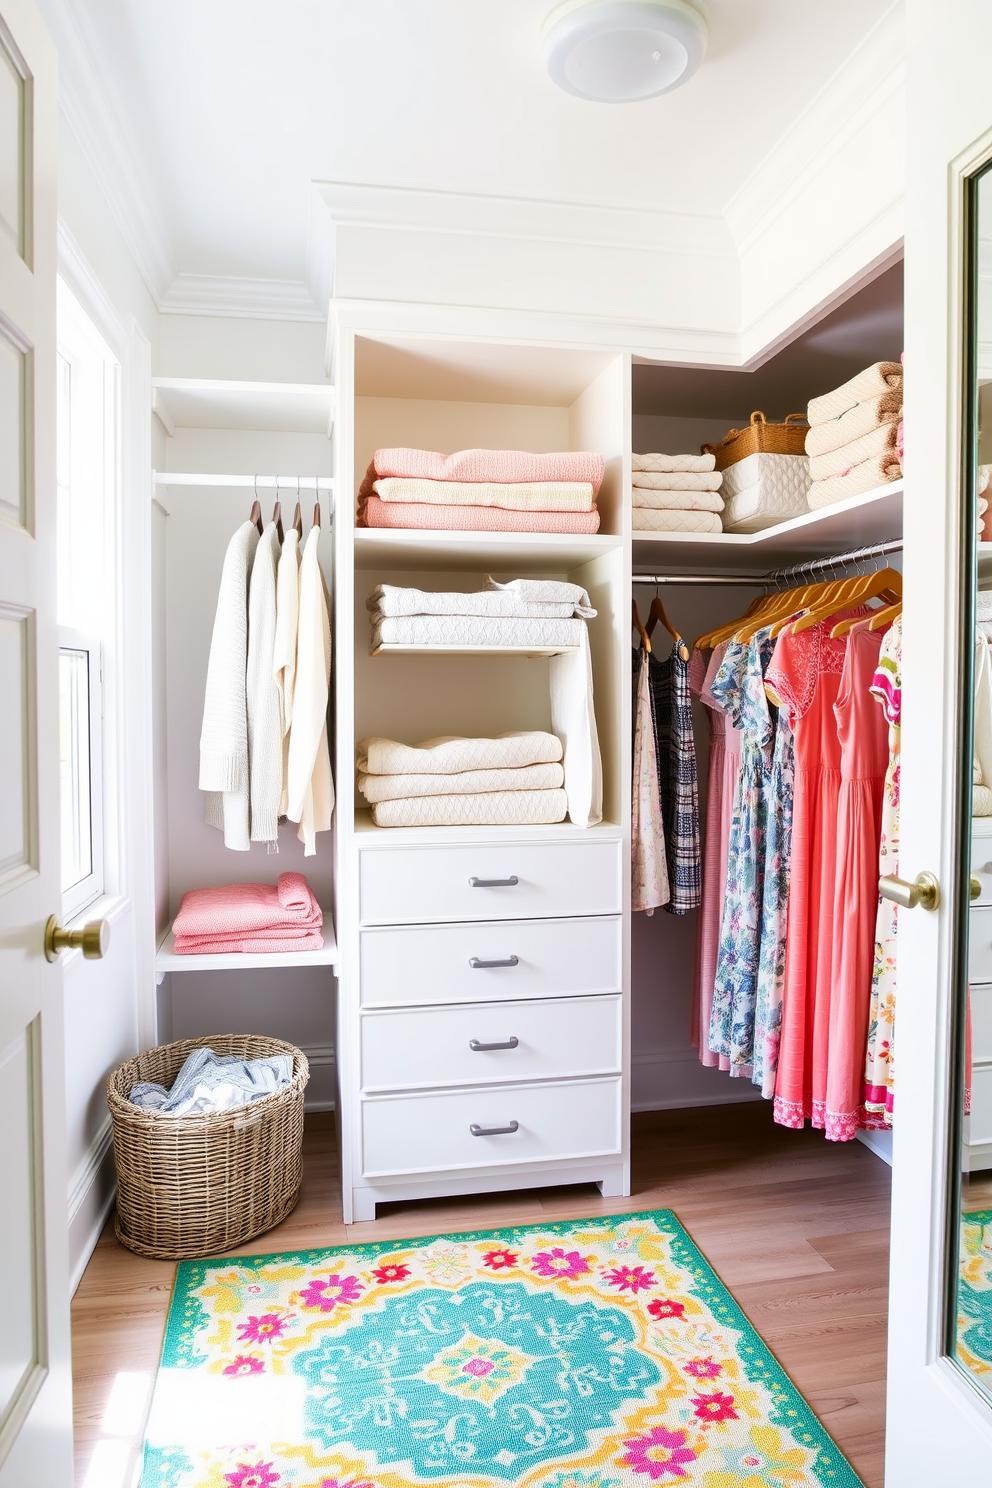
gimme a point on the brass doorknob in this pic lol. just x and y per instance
(975, 886)
(923, 891)
(92, 939)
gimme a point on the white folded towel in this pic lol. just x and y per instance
(388, 599)
(675, 521)
(449, 754)
(709, 501)
(675, 480)
(674, 462)
(465, 783)
(547, 591)
(494, 808)
(473, 630)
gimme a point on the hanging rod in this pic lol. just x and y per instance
(776, 575)
(305, 484)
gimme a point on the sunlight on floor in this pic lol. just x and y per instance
(196, 1411)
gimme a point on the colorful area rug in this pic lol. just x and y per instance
(975, 1296)
(597, 1354)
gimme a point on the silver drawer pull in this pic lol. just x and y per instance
(478, 965)
(493, 1131)
(511, 1043)
(494, 883)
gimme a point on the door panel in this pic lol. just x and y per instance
(35, 1385)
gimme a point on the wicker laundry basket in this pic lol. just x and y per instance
(760, 438)
(198, 1185)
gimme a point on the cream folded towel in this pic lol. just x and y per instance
(473, 630)
(389, 599)
(864, 477)
(674, 462)
(675, 521)
(882, 377)
(520, 496)
(377, 788)
(675, 480)
(495, 808)
(708, 501)
(855, 421)
(546, 591)
(839, 461)
(449, 754)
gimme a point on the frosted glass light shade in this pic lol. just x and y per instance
(620, 51)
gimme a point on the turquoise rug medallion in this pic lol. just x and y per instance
(601, 1353)
(975, 1296)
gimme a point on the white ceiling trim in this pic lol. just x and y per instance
(87, 100)
(248, 299)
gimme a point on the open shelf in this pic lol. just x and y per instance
(397, 648)
(166, 959)
(212, 403)
(858, 522)
(377, 547)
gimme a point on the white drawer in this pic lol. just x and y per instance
(441, 963)
(431, 1133)
(468, 1045)
(981, 1023)
(980, 944)
(980, 1126)
(491, 881)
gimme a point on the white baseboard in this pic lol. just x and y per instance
(879, 1142)
(321, 1093)
(91, 1198)
(670, 1078)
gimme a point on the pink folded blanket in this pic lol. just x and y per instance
(376, 513)
(250, 917)
(489, 465)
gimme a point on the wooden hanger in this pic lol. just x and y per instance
(256, 517)
(636, 622)
(713, 638)
(298, 521)
(856, 592)
(316, 515)
(658, 612)
(277, 518)
(885, 616)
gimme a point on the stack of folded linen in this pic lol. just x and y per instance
(853, 435)
(249, 917)
(676, 493)
(482, 490)
(526, 612)
(513, 780)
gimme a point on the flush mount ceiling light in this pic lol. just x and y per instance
(619, 51)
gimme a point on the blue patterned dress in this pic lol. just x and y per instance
(738, 687)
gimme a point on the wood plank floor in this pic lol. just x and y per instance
(796, 1227)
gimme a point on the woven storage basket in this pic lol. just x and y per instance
(198, 1185)
(760, 438)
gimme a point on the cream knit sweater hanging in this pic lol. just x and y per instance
(264, 727)
(309, 784)
(224, 735)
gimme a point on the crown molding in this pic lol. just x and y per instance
(88, 104)
(470, 214)
(248, 299)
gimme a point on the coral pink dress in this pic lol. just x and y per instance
(722, 774)
(804, 678)
(863, 735)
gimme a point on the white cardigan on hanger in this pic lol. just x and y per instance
(224, 734)
(284, 650)
(309, 785)
(264, 729)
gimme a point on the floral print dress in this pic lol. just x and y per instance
(887, 687)
(738, 688)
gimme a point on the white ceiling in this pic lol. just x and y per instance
(227, 110)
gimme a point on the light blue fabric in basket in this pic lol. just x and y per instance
(215, 1082)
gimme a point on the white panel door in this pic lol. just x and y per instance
(35, 1383)
(939, 1426)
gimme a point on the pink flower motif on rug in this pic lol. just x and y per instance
(340, 1483)
(329, 1292)
(659, 1454)
(630, 1278)
(666, 1308)
(245, 1364)
(248, 1475)
(556, 1263)
(715, 1407)
(384, 1274)
(264, 1329)
(499, 1260)
(703, 1368)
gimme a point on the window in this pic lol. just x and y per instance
(86, 460)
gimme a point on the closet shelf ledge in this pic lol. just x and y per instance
(166, 959)
(397, 648)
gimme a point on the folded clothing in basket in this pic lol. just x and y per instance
(214, 1082)
(249, 917)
